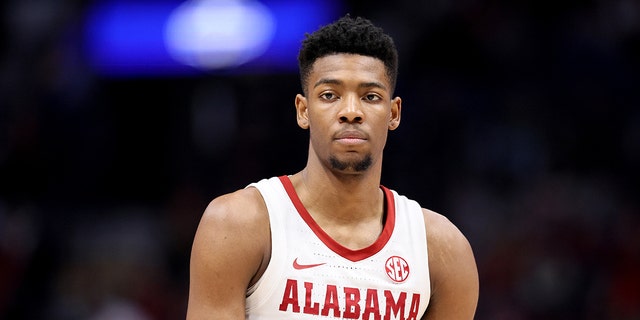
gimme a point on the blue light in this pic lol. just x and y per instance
(214, 34)
(126, 38)
(139, 38)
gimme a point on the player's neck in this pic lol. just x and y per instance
(347, 196)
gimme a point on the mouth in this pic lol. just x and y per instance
(350, 137)
(349, 141)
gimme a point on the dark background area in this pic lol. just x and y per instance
(521, 124)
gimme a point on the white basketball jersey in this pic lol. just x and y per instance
(311, 276)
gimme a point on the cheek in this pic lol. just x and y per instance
(319, 121)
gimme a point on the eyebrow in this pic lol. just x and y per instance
(372, 84)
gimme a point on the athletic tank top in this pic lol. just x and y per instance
(311, 276)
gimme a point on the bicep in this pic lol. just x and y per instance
(454, 273)
(226, 253)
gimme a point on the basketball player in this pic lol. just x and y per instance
(330, 241)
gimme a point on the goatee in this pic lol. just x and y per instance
(356, 165)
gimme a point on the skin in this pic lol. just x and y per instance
(349, 111)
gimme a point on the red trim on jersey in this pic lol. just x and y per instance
(353, 255)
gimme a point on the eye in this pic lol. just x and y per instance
(329, 96)
(372, 97)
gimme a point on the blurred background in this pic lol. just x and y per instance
(121, 120)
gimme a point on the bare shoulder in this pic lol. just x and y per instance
(241, 208)
(230, 250)
(453, 270)
(236, 224)
(442, 233)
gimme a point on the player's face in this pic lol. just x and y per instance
(348, 111)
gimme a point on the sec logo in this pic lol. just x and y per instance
(397, 269)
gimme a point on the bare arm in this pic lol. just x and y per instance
(454, 274)
(230, 249)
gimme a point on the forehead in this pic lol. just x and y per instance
(349, 67)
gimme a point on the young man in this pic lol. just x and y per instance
(330, 241)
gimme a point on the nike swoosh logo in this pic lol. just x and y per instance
(298, 266)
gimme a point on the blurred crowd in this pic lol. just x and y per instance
(521, 124)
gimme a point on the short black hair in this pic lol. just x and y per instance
(348, 35)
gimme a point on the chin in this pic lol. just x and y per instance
(351, 165)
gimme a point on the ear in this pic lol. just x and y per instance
(301, 111)
(396, 107)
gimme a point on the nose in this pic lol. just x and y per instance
(351, 110)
